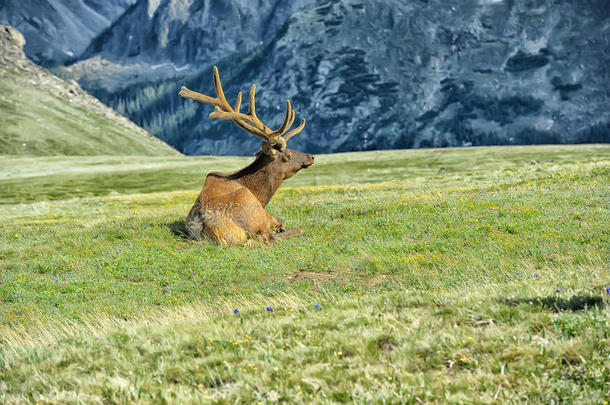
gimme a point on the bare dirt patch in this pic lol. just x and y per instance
(334, 274)
(322, 276)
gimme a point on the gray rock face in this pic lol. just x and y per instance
(13, 37)
(11, 50)
(184, 32)
(60, 30)
(366, 74)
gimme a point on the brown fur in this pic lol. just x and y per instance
(231, 207)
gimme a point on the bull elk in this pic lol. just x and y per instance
(231, 207)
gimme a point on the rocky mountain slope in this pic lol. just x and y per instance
(41, 114)
(367, 74)
(60, 30)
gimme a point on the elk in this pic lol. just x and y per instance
(230, 209)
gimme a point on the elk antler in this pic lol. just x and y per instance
(248, 122)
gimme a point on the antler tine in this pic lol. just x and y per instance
(238, 102)
(287, 121)
(193, 95)
(292, 117)
(220, 95)
(251, 108)
(295, 131)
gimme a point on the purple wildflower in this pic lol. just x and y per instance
(536, 275)
(236, 311)
(164, 290)
(607, 288)
(558, 289)
(269, 308)
(318, 306)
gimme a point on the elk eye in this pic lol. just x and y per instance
(287, 157)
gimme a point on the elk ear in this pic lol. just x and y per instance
(286, 156)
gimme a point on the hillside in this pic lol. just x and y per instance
(367, 75)
(460, 275)
(41, 114)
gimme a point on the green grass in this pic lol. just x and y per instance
(458, 275)
(35, 121)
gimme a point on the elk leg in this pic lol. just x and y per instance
(288, 233)
(276, 224)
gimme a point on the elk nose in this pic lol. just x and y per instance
(309, 161)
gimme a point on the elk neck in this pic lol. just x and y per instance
(260, 178)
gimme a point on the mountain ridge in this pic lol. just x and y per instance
(60, 30)
(367, 75)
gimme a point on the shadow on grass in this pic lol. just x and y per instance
(178, 228)
(557, 304)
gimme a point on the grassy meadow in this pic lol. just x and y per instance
(473, 275)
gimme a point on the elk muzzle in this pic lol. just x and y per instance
(309, 162)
